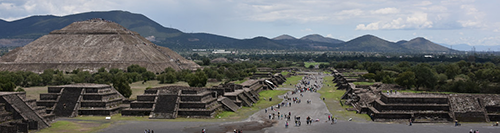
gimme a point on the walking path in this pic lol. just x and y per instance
(317, 109)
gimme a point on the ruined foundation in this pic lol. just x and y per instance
(382, 102)
(18, 114)
(81, 99)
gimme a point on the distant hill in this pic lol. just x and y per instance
(370, 43)
(401, 42)
(422, 44)
(284, 37)
(319, 38)
(37, 26)
(15, 33)
(90, 45)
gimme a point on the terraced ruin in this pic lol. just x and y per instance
(18, 114)
(176, 101)
(81, 99)
(383, 102)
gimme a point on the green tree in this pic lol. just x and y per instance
(373, 67)
(148, 75)
(33, 80)
(198, 79)
(206, 61)
(452, 70)
(114, 71)
(424, 76)
(136, 68)
(8, 86)
(387, 80)
(181, 75)
(103, 77)
(406, 79)
(168, 77)
(60, 79)
(82, 77)
(369, 76)
(47, 76)
(121, 84)
(169, 69)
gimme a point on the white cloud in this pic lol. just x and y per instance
(388, 10)
(423, 3)
(415, 21)
(7, 6)
(329, 35)
(307, 30)
(469, 23)
(371, 26)
(419, 20)
(353, 12)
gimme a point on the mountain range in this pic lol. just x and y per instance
(36, 26)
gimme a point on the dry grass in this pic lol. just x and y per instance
(34, 92)
(138, 88)
(332, 100)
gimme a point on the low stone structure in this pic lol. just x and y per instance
(173, 101)
(177, 101)
(81, 99)
(18, 114)
(382, 102)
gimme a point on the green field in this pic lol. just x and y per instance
(284, 73)
(240, 81)
(363, 83)
(307, 64)
(292, 81)
(244, 112)
(414, 91)
(332, 100)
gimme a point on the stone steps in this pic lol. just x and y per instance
(228, 103)
(28, 113)
(244, 100)
(380, 105)
(255, 94)
(250, 97)
(67, 102)
(136, 111)
(4, 115)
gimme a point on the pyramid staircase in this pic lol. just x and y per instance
(228, 104)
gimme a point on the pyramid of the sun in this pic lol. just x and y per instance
(90, 45)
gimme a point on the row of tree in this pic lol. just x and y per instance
(119, 78)
(461, 76)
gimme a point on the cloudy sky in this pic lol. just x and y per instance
(473, 22)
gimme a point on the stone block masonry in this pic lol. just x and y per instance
(81, 99)
(383, 104)
(18, 114)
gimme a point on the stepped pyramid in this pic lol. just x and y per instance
(90, 45)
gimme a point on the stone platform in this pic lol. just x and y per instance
(18, 114)
(81, 99)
